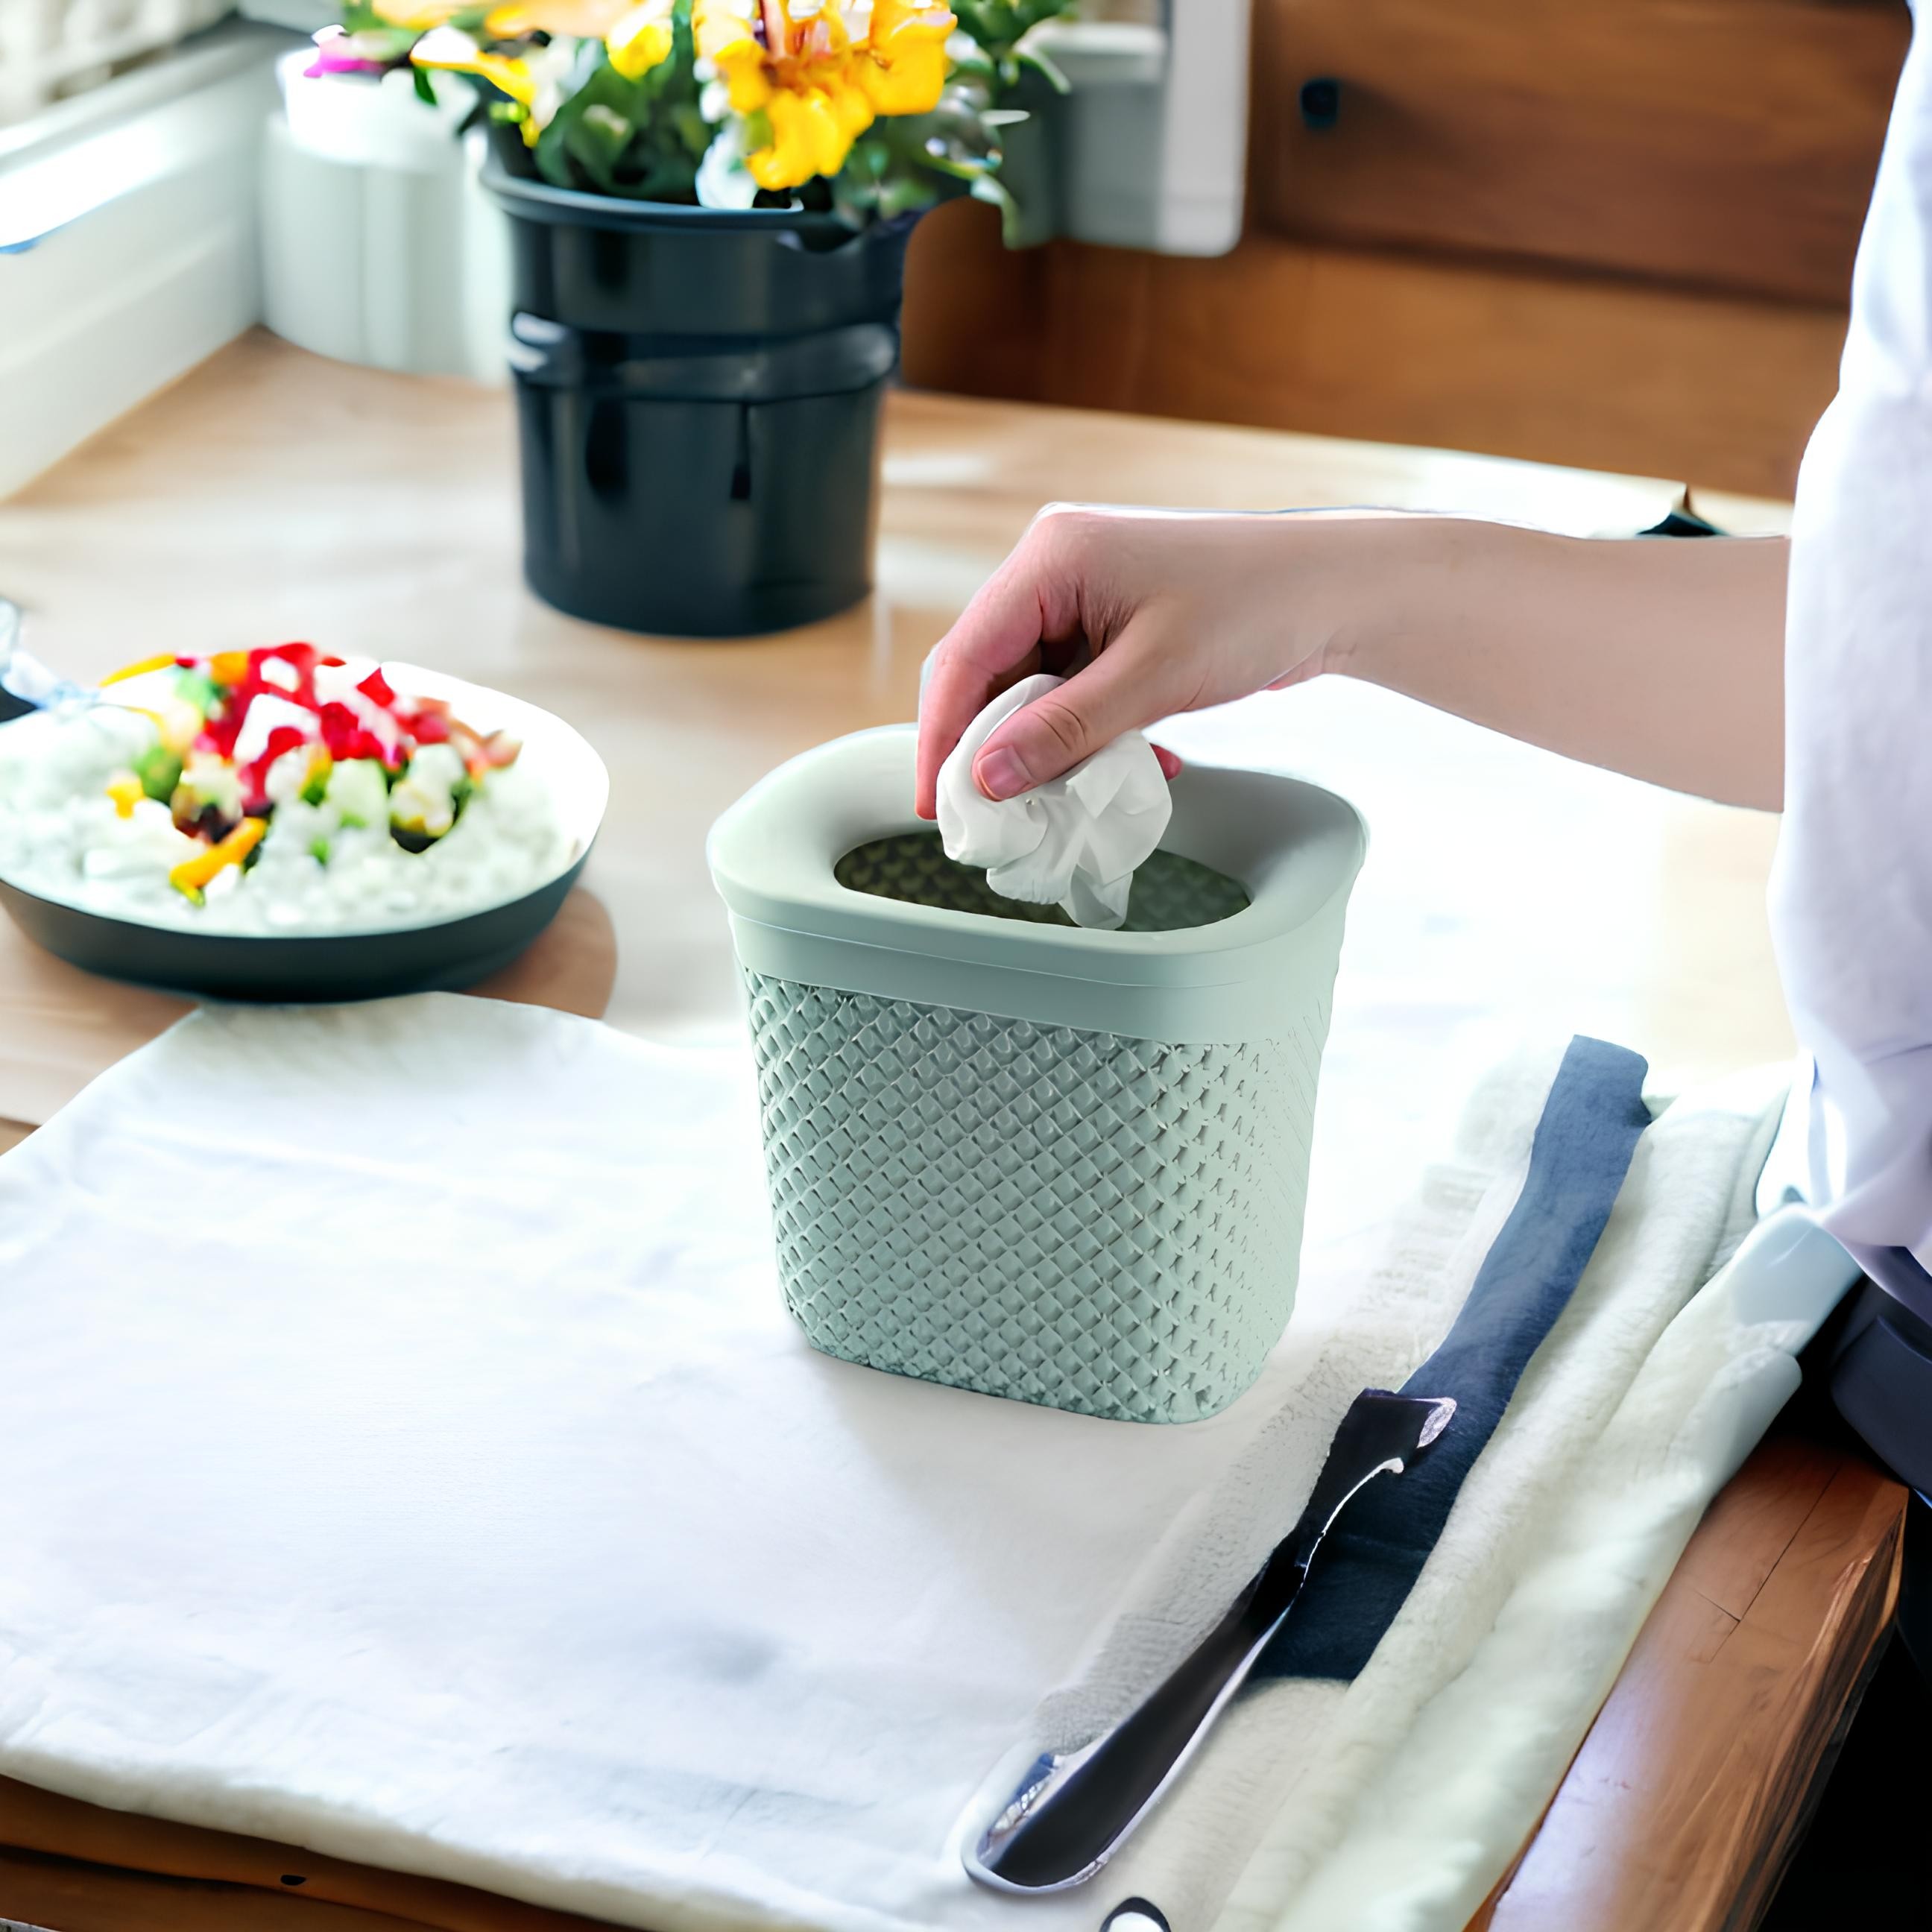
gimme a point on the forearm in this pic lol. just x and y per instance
(1661, 658)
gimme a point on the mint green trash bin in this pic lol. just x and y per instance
(1062, 1165)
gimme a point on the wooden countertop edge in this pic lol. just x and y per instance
(85, 1855)
(1686, 1800)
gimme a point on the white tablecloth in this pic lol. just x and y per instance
(411, 1458)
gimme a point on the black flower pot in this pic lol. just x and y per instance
(697, 399)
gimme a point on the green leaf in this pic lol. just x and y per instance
(596, 138)
(425, 88)
(990, 188)
(1043, 65)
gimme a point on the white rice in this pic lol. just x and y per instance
(61, 838)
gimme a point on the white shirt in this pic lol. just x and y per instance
(1852, 890)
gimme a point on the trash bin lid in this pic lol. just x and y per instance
(1294, 846)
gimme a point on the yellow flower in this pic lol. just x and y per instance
(420, 17)
(721, 33)
(795, 62)
(582, 19)
(903, 66)
(813, 129)
(532, 83)
(638, 37)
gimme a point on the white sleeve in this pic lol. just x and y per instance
(1852, 890)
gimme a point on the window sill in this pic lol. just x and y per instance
(128, 214)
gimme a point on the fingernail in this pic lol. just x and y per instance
(1001, 774)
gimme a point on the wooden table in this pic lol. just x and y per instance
(272, 495)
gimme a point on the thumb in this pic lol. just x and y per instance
(1048, 737)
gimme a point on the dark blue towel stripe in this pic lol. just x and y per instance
(1577, 1162)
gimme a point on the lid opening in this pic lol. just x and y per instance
(1170, 893)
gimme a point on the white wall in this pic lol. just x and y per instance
(151, 263)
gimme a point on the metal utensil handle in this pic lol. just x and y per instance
(1102, 1792)
(11, 707)
(1065, 1822)
(26, 683)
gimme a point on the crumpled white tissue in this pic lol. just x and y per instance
(1075, 841)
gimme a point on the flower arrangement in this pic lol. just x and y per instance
(870, 110)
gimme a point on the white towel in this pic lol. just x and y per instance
(413, 1460)
(1075, 841)
(1394, 1803)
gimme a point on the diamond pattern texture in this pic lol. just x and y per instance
(1168, 892)
(1097, 1223)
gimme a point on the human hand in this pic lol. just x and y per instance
(1145, 613)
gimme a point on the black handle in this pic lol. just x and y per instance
(1320, 103)
(824, 362)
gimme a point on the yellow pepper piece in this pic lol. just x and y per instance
(228, 666)
(127, 792)
(315, 777)
(191, 877)
(164, 662)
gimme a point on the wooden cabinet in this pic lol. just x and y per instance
(1721, 143)
(1613, 233)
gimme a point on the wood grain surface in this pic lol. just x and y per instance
(78, 1865)
(379, 512)
(1552, 363)
(1616, 236)
(1725, 144)
(273, 494)
(1689, 1795)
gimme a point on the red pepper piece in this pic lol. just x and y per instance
(340, 727)
(376, 688)
(221, 730)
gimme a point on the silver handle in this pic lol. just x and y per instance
(1073, 1809)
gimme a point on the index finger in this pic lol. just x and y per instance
(995, 635)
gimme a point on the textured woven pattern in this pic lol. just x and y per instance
(1169, 892)
(1097, 1223)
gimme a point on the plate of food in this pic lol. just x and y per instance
(285, 823)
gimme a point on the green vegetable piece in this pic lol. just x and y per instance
(160, 772)
(196, 687)
(318, 850)
(358, 788)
